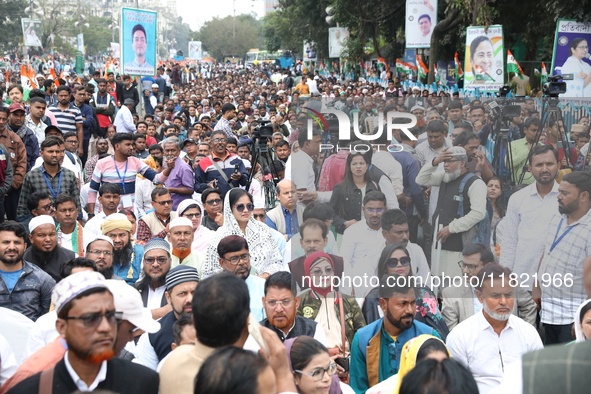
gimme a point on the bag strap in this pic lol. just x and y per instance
(217, 167)
(461, 193)
(342, 313)
(46, 381)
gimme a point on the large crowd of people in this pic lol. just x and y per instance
(204, 231)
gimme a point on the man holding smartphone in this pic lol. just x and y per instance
(221, 166)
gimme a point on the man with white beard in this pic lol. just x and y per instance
(489, 343)
(453, 229)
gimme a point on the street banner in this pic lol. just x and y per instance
(337, 37)
(484, 65)
(195, 50)
(80, 43)
(310, 52)
(31, 32)
(447, 73)
(571, 56)
(115, 50)
(138, 41)
(421, 18)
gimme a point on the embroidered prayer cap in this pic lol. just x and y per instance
(115, 221)
(129, 302)
(158, 243)
(417, 107)
(181, 274)
(98, 238)
(40, 221)
(457, 151)
(180, 221)
(71, 286)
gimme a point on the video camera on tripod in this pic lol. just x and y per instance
(556, 85)
(261, 155)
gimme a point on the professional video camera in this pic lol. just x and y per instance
(263, 130)
(556, 85)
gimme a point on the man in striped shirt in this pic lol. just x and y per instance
(122, 168)
(68, 116)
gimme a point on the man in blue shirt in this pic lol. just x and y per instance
(284, 217)
(87, 117)
(24, 287)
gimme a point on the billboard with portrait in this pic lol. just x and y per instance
(138, 41)
(32, 32)
(310, 53)
(195, 50)
(571, 57)
(337, 37)
(421, 18)
(484, 67)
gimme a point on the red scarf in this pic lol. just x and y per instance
(309, 262)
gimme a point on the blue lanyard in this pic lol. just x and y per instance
(59, 184)
(119, 175)
(557, 241)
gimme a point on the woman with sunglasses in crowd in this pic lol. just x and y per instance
(395, 260)
(265, 257)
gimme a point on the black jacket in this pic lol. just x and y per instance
(123, 377)
(124, 93)
(349, 205)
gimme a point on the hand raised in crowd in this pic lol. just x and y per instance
(219, 219)
(480, 161)
(278, 360)
(443, 156)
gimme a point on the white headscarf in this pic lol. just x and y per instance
(580, 337)
(202, 235)
(264, 253)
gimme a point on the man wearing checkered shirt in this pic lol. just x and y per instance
(568, 243)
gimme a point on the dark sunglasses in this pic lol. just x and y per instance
(92, 320)
(214, 202)
(249, 207)
(393, 261)
(163, 203)
(261, 216)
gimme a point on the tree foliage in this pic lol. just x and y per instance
(11, 12)
(219, 39)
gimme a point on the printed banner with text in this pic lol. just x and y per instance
(421, 18)
(484, 67)
(138, 41)
(571, 57)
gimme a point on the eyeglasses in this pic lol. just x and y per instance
(97, 252)
(219, 140)
(318, 271)
(261, 216)
(163, 203)
(318, 373)
(152, 260)
(47, 207)
(469, 267)
(92, 320)
(235, 259)
(241, 207)
(192, 215)
(214, 201)
(285, 303)
(374, 210)
(393, 261)
(72, 141)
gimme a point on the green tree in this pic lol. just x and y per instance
(223, 37)
(11, 12)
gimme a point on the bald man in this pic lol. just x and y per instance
(284, 217)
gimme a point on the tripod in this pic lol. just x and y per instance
(554, 114)
(262, 156)
(502, 155)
